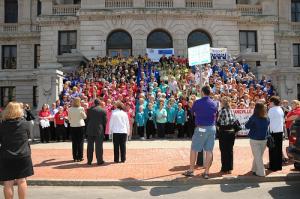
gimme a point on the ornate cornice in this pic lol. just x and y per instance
(11, 36)
(58, 20)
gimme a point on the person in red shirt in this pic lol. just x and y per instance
(59, 123)
(292, 115)
(44, 116)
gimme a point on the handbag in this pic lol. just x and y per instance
(270, 140)
(236, 126)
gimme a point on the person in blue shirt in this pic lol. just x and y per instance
(258, 124)
(140, 121)
(171, 116)
(245, 66)
(150, 121)
(180, 120)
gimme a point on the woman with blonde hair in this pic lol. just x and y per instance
(15, 153)
(76, 119)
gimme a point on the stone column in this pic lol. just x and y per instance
(179, 4)
(224, 4)
(47, 6)
(92, 4)
(24, 15)
(2, 10)
(269, 7)
(138, 4)
(50, 82)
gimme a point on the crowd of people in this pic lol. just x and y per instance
(157, 96)
(121, 97)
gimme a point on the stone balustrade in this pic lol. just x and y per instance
(198, 3)
(246, 9)
(159, 3)
(118, 3)
(66, 9)
(10, 27)
(36, 28)
(295, 26)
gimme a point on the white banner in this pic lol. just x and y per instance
(243, 116)
(199, 55)
(156, 54)
(219, 54)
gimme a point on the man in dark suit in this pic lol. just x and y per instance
(96, 123)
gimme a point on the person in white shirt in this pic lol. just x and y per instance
(276, 116)
(120, 129)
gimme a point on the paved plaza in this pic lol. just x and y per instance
(146, 161)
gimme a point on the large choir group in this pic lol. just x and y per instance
(158, 96)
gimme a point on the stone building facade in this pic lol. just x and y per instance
(40, 39)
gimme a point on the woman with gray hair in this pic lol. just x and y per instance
(225, 122)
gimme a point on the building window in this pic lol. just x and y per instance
(119, 42)
(159, 39)
(67, 41)
(296, 55)
(295, 10)
(39, 7)
(7, 94)
(35, 96)
(9, 57)
(11, 11)
(37, 55)
(197, 38)
(248, 39)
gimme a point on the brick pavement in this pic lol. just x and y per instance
(143, 162)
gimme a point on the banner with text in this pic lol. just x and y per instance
(243, 116)
(219, 54)
(199, 55)
(156, 54)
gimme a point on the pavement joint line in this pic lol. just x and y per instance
(195, 181)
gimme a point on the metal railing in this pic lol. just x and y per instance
(198, 3)
(118, 3)
(250, 9)
(65, 9)
(159, 3)
(10, 27)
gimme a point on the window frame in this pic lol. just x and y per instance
(35, 96)
(8, 18)
(298, 55)
(295, 13)
(36, 60)
(68, 32)
(159, 31)
(3, 57)
(2, 91)
(247, 39)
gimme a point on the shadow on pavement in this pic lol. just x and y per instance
(51, 162)
(291, 191)
(132, 188)
(81, 165)
(167, 190)
(228, 188)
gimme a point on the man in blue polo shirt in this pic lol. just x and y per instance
(205, 111)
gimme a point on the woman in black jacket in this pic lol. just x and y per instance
(15, 153)
(30, 118)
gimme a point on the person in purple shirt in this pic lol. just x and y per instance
(205, 112)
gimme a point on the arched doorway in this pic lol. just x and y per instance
(198, 37)
(159, 39)
(119, 42)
